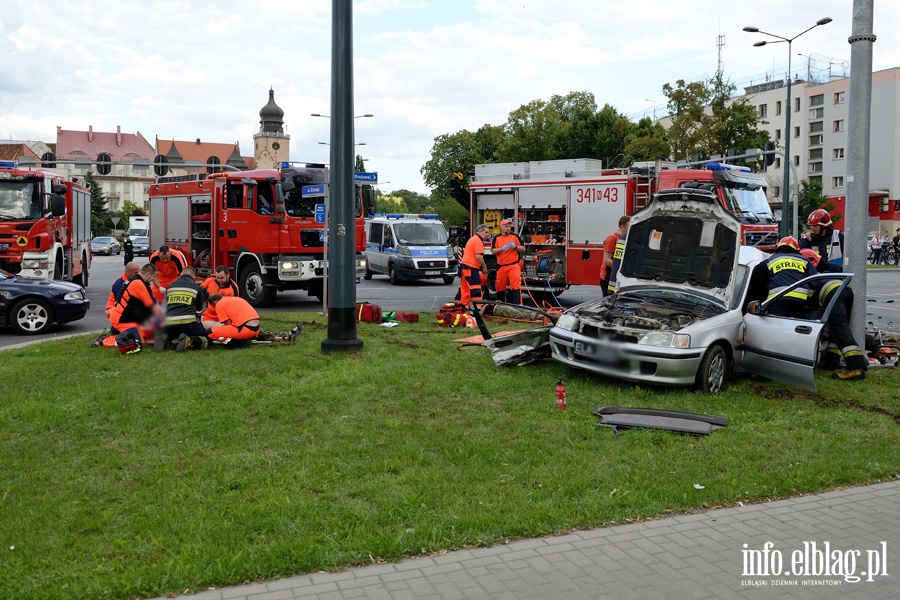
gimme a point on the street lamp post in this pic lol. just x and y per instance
(654, 107)
(785, 193)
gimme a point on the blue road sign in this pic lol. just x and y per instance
(366, 177)
(312, 190)
(320, 217)
(320, 208)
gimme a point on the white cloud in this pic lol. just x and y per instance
(186, 69)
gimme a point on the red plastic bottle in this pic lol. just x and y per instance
(560, 395)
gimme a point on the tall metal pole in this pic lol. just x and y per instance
(342, 220)
(858, 134)
(785, 188)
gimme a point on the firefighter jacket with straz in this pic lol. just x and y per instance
(784, 268)
(185, 301)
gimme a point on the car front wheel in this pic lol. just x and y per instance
(712, 376)
(31, 316)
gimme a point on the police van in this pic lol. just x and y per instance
(408, 246)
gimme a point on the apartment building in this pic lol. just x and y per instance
(819, 117)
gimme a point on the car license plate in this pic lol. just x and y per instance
(601, 354)
(432, 272)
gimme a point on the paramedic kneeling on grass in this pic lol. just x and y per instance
(239, 321)
(472, 265)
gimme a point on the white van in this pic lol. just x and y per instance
(407, 246)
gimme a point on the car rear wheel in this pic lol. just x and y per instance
(712, 376)
(31, 316)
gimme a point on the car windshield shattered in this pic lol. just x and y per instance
(421, 234)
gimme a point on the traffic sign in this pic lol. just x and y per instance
(365, 177)
(312, 190)
(320, 208)
(320, 218)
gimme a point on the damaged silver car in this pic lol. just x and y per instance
(679, 316)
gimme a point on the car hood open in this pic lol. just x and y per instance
(684, 239)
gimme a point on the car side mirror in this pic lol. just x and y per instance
(754, 308)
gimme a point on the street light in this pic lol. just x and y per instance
(654, 106)
(329, 116)
(785, 194)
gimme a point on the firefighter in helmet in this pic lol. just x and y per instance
(823, 238)
(785, 267)
(841, 342)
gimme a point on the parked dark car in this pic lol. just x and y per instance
(31, 306)
(140, 245)
(105, 245)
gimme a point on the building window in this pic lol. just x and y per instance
(796, 160)
(816, 113)
(840, 98)
(817, 100)
(797, 131)
(777, 134)
(838, 154)
(817, 127)
(837, 182)
(816, 140)
(815, 167)
(777, 162)
(815, 179)
(796, 104)
(763, 111)
(838, 125)
(778, 108)
(815, 154)
(146, 188)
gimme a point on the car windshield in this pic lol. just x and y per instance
(141, 240)
(421, 234)
(101, 240)
(20, 200)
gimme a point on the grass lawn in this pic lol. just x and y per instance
(151, 474)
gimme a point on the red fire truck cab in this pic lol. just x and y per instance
(257, 223)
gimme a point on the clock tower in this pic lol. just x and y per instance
(271, 145)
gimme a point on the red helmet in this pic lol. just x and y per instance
(788, 241)
(819, 216)
(811, 255)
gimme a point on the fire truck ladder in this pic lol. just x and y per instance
(642, 191)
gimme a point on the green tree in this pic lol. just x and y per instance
(733, 122)
(532, 132)
(612, 131)
(647, 141)
(457, 152)
(101, 222)
(687, 103)
(129, 209)
(578, 128)
(811, 198)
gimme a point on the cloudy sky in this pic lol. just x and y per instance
(185, 69)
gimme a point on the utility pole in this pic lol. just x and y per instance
(858, 134)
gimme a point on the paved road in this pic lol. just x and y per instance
(881, 309)
(692, 557)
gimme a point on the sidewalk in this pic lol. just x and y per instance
(690, 556)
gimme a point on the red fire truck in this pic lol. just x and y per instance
(565, 209)
(45, 225)
(260, 224)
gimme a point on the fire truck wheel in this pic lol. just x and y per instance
(393, 275)
(31, 316)
(82, 279)
(58, 269)
(254, 288)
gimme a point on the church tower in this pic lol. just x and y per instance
(271, 145)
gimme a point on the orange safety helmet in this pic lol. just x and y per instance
(811, 255)
(819, 216)
(788, 241)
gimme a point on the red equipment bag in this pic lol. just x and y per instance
(406, 317)
(368, 313)
(452, 314)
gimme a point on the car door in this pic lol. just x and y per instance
(787, 349)
(374, 254)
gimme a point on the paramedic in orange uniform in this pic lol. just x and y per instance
(131, 269)
(136, 305)
(473, 265)
(508, 250)
(222, 284)
(169, 263)
(239, 321)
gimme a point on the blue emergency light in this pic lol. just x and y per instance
(408, 216)
(9, 164)
(715, 166)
